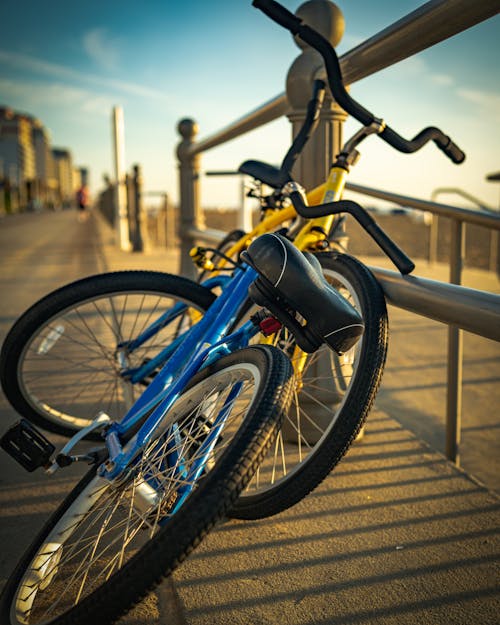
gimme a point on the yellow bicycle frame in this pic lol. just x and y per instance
(309, 238)
(314, 230)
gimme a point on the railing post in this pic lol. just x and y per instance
(493, 264)
(455, 352)
(121, 218)
(433, 239)
(191, 215)
(138, 242)
(313, 165)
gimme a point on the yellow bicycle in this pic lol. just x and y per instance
(327, 411)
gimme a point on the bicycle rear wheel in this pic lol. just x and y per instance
(60, 362)
(107, 546)
(332, 398)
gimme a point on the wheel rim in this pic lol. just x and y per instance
(319, 396)
(71, 369)
(106, 526)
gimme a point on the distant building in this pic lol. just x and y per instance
(63, 172)
(77, 178)
(46, 182)
(17, 154)
(80, 177)
(84, 174)
(32, 174)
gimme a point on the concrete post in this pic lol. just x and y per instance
(129, 203)
(191, 215)
(121, 220)
(138, 242)
(313, 165)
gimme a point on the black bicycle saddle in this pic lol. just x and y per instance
(291, 281)
(272, 176)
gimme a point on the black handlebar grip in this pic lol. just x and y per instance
(452, 151)
(393, 251)
(279, 14)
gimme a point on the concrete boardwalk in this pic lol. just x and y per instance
(395, 535)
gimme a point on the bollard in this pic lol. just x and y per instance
(191, 215)
(138, 210)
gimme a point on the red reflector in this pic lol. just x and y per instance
(269, 325)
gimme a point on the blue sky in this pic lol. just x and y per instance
(69, 63)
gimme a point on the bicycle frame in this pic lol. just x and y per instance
(206, 341)
(308, 238)
(137, 374)
(312, 232)
(202, 343)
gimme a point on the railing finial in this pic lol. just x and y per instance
(314, 164)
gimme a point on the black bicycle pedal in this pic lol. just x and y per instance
(27, 445)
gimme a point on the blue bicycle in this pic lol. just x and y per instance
(180, 456)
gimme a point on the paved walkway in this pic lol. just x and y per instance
(395, 535)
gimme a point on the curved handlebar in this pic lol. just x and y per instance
(291, 22)
(393, 251)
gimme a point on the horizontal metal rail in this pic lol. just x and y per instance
(207, 235)
(478, 217)
(429, 24)
(471, 310)
(462, 309)
(467, 196)
(268, 112)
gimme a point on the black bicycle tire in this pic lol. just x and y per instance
(55, 303)
(207, 504)
(312, 471)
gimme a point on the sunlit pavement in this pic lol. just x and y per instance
(395, 535)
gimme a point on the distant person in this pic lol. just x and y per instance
(82, 200)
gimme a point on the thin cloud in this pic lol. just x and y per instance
(38, 66)
(486, 101)
(56, 94)
(101, 48)
(443, 80)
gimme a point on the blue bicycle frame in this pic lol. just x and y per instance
(138, 374)
(202, 344)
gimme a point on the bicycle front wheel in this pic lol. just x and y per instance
(332, 398)
(61, 362)
(108, 545)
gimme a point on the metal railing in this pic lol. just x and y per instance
(433, 236)
(485, 217)
(452, 304)
(429, 24)
(461, 308)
